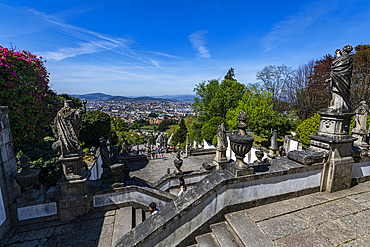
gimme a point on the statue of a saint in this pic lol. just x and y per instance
(340, 79)
(361, 117)
(104, 152)
(67, 124)
(221, 136)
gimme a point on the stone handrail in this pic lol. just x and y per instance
(132, 194)
(220, 190)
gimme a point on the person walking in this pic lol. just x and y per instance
(182, 186)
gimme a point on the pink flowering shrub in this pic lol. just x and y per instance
(24, 88)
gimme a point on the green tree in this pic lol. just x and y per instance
(210, 128)
(258, 106)
(308, 127)
(274, 79)
(164, 125)
(360, 87)
(215, 99)
(203, 101)
(95, 124)
(230, 75)
(24, 83)
(195, 131)
(255, 102)
(180, 134)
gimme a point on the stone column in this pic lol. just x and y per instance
(188, 147)
(9, 189)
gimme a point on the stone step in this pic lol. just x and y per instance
(225, 235)
(247, 231)
(139, 216)
(123, 223)
(147, 214)
(207, 240)
(193, 245)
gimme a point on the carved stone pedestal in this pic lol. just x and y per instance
(75, 198)
(333, 139)
(361, 138)
(220, 159)
(72, 166)
(239, 172)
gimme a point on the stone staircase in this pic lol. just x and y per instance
(237, 231)
(126, 219)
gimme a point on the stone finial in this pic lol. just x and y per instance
(241, 125)
(178, 163)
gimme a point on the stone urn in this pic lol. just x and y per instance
(117, 170)
(178, 163)
(27, 178)
(241, 143)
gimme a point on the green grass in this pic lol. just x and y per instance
(149, 127)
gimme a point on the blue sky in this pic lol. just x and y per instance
(143, 47)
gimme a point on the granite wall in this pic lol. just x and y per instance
(9, 189)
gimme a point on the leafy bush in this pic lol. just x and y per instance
(214, 141)
(43, 157)
(24, 83)
(306, 128)
(95, 124)
(210, 128)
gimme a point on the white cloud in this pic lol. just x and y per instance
(84, 48)
(198, 41)
(296, 24)
(155, 63)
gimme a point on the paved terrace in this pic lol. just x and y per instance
(156, 168)
(320, 219)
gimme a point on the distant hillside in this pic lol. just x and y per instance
(102, 96)
(119, 98)
(182, 97)
(91, 96)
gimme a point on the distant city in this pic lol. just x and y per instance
(131, 109)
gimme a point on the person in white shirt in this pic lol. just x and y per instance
(182, 186)
(153, 208)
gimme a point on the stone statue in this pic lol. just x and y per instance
(361, 117)
(67, 124)
(165, 143)
(274, 144)
(340, 79)
(221, 136)
(104, 152)
(160, 140)
(124, 149)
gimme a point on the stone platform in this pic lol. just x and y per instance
(154, 169)
(319, 219)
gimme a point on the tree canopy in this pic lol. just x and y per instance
(214, 98)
